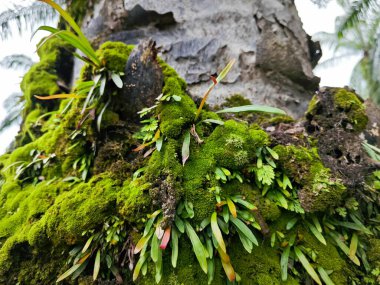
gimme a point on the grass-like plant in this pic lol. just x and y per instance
(233, 215)
(31, 170)
(101, 248)
(94, 90)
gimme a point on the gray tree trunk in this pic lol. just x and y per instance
(275, 57)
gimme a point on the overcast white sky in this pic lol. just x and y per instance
(314, 20)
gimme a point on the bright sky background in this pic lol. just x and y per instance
(314, 20)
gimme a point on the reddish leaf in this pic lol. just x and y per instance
(165, 238)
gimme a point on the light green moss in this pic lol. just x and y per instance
(236, 100)
(42, 77)
(84, 207)
(134, 202)
(233, 145)
(320, 191)
(114, 55)
(354, 108)
(261, 267)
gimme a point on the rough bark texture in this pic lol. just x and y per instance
(275, 56)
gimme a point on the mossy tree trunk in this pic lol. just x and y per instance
(249, 197)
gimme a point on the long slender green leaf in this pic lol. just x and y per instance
(359, 223)
(210, 247)
(154, 248)
(138, 266)
(186, 148)
(117, 80)
(79, 271)
(72, 39)
(86, 246)
(99, 119)
(325, 277)
(68, 272)
(174, 245)
(148, 225)
(73, 25)
(205, 223)
(158, 274)
(244, 203)
(179, 223)
(210, 270)
(141, 243)
(247, 244)
(245, 230)
(291, 223)
(305, 263)
(231, 207)
(213, 121)
(223, 226)
(284, 263)
(197, 246)
(344, 248)
(272, 152)
(316, 233)
(253, 108)
(353, 246)
(225, 70)
(316, 223)
(96, 265)
(216, 232)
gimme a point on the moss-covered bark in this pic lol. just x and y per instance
(289, 179)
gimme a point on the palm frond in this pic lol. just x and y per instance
(13, 105)
(360, 79)
(356, 11)
(25, 18)
(320, 3)
(336, 59)
(16, 61)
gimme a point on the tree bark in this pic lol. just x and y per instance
(275, 57)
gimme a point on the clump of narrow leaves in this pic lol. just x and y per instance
(233, 215)
(344, 234)
(101, 250)
(93, 91)
(32, 170)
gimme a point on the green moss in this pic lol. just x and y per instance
(374, 251)
(329, 258)
(320, 191)
(236, 100)
(233, 145)
(175, 116)
(354, 108)
(338, 107)
(83, 207)
(134, 202)
(261, 267)
(114, 55)
(42, 77)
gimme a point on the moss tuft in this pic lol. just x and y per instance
(320, 191)
(354, 108)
